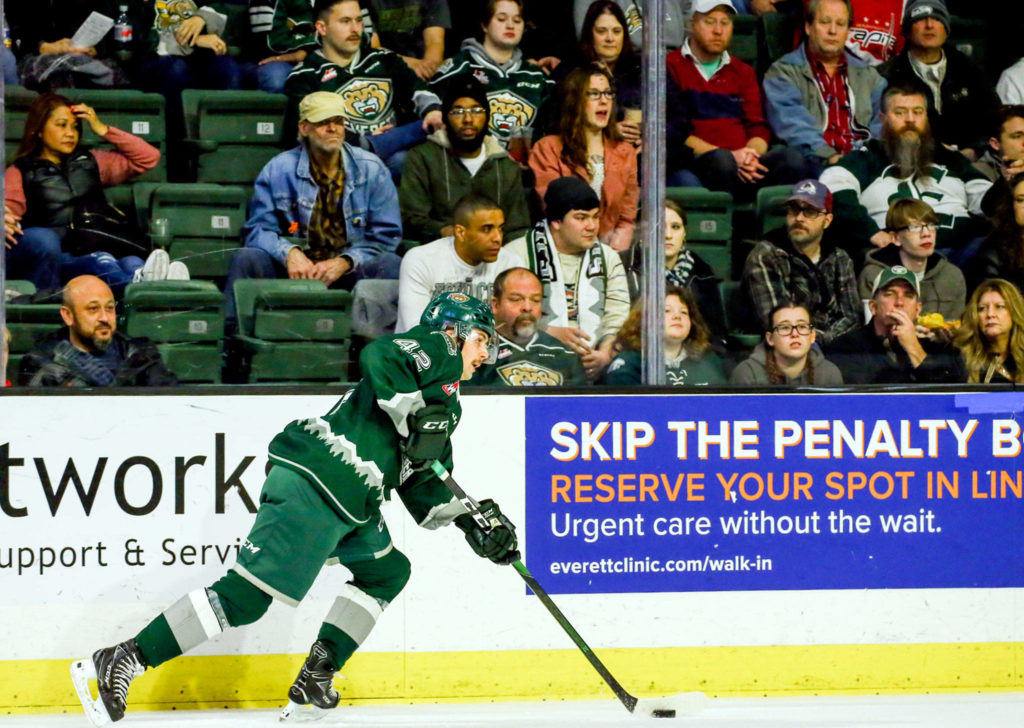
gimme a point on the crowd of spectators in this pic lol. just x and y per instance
(493, 147)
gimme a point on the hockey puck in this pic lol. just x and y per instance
(663, 713)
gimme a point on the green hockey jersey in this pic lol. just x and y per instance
(516, 91)
(377, 87)
(353, 455)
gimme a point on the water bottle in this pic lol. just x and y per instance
(122, 29)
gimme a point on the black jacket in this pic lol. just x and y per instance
(863, 358)
(52, 192)
(45, 366)
(968, 99)
(991, 262)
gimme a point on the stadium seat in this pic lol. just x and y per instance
(770, 213)
(141, 114)
(205, 222)
(737, 311)
(968, 35)
(776, 34)
(234, 133)
(17, 99)
(709, 225)
(186, 321)
(28, 322)
(294, 330)
(744, 44)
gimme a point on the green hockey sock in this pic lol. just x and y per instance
(339, 644)
(156, 642)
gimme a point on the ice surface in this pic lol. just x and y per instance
(990, 710)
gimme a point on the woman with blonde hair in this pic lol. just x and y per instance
(689, 359)
(991, 333)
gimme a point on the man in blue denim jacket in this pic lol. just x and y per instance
(337, 199)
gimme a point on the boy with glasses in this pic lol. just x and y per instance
(913, 226)
(798, 263)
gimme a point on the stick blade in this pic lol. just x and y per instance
(673, 706)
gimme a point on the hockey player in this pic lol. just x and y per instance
(321, 500)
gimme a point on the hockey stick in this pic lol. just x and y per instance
(669, 707)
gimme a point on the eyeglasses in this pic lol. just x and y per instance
(459, 112)
(594, 94)
(920, 228)
(787, 329)
(809, 213)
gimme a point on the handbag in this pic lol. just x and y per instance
(108, 230)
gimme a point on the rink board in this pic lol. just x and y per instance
(169, 483)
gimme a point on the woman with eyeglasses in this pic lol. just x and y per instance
(991, 333)
(689, 359)
(787, 356)
(912, 227)
(589, 146)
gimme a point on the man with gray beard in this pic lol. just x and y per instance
(906, 162)
(527, 356)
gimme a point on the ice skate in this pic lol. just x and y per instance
(113, 669)
(312, 694)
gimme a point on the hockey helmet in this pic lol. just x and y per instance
(465, 315)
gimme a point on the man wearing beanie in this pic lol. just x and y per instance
(586, 295)
(460, 159)
(961, 100)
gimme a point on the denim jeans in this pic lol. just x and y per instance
(271, 76)
(36, 258)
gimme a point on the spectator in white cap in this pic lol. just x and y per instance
(961, 100)
(324, 210)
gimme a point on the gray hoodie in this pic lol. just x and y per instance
(754, 370)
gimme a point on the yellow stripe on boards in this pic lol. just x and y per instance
(261, 681)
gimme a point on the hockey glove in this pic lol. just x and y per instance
(428, 436)
(499, 543)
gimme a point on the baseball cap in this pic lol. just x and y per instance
(812, 192)
(321, 105)
(895, 273)
(706, 6)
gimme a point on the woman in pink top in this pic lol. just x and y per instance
(589, 146)
(51, 177)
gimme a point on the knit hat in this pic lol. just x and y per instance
(921, 9)
(464, 86)
(566, 194)
(895, 273)
(320, 106)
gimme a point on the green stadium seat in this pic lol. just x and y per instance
(744, 44)
(709, 214)
(186, 321)
(776, 32)
(28, 322)
(19, 287)
(141, 114)
(205, 223)
(235, 133)
(737, 310)
(770, 212)
(717, 256)
(17, 99)
(968, 35)
(294, 330)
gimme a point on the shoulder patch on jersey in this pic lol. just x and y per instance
(529, 374)
(452, 349)
(450, 389)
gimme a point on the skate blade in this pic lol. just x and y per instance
(82, 671)
(673, 706)
(295, 713)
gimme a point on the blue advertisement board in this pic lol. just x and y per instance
(752, 492)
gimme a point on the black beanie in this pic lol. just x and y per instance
(464, 86)
(566, 194)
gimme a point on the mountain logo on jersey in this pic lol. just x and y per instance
(481, 75)
(367, 100)
(508, 111)
(529, 374)
(450, 389)
(329, 74)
